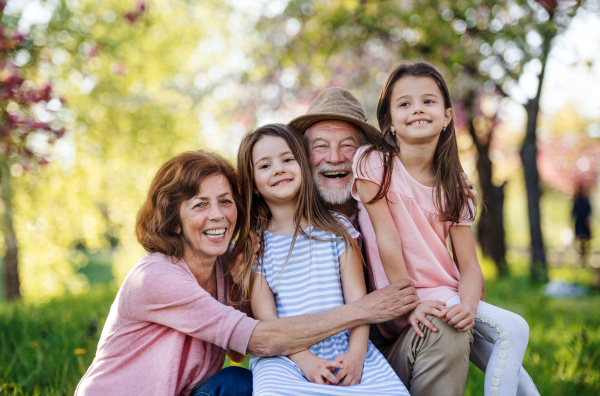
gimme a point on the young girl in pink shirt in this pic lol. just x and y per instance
(411, 187)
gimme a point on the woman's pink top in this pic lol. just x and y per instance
(165, 334)
(423, 235)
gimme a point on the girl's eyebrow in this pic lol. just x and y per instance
(268, 156)
(404, 96)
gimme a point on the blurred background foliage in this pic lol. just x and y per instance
(96, 94)
(141, 81)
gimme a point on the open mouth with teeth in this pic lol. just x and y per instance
(280, 182)
(335, 175)
(215, 234)
(420, 122)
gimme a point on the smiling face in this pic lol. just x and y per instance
(277, 175)
(331, 148)
(208, 219)
(417, 110)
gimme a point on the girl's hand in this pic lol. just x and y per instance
(418, 315)
(316, 369)
(351, 373)
(460, 316)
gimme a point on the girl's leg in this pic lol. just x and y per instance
(500, 341)
(480, 355)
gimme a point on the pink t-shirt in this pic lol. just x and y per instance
(423, 235)
(164, 334)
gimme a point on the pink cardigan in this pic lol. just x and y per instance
(164, 334)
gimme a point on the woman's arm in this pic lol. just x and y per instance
(290, 335)
(386, 234)
(470, 286)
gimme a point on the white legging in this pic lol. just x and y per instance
(500, 339)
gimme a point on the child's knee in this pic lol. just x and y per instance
(456, 343)
(517, 327)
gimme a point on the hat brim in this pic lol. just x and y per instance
(302, 123)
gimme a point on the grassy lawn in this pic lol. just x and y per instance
(45, 349)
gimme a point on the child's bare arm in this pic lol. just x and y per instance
(388, 240)
(470, 287)
(353, 286)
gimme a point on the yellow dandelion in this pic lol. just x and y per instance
(232, 363)
(35, 343)
(79, 351)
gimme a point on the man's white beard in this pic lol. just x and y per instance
(335, 194)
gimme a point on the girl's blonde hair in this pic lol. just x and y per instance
(309, 205)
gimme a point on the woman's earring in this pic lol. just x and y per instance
(444, 129)
(256, 192)
(393, 130)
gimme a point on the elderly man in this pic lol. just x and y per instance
(335, 126)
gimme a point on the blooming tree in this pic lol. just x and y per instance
(27, 128)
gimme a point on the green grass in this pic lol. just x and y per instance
(39, 344)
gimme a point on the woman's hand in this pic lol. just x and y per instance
(351, 373)
(316, 369)
(418, 315)
(460, 316)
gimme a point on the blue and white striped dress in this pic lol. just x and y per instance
(310, 283)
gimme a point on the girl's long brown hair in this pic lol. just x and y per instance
(450, 199)
(309, 205)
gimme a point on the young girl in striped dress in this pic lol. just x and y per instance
(411, 187)
(308, 262)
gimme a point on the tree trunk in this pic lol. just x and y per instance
(11, 259)
(490, 229)
(539, 268)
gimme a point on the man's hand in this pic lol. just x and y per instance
(351, 373)
(418, 315)
(316, 369)
(389, 302)
(460, 316)
(471, 191)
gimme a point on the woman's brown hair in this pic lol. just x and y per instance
(448, 180)
(309, 205)
(158, 225)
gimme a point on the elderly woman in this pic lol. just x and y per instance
(170, 325)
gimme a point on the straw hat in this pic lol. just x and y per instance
(336, 104)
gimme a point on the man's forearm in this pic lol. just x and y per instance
(290, 335)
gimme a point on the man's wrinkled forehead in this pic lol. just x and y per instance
(337, 127)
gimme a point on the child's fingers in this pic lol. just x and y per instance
(461, 315)
(356, 380)
(335, 363)
(346, 379)
(328, 375)
(427, 323)
(415, 325)
(465, 325)
(460, 325)
(444, 312)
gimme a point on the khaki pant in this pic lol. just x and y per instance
(437, 364)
